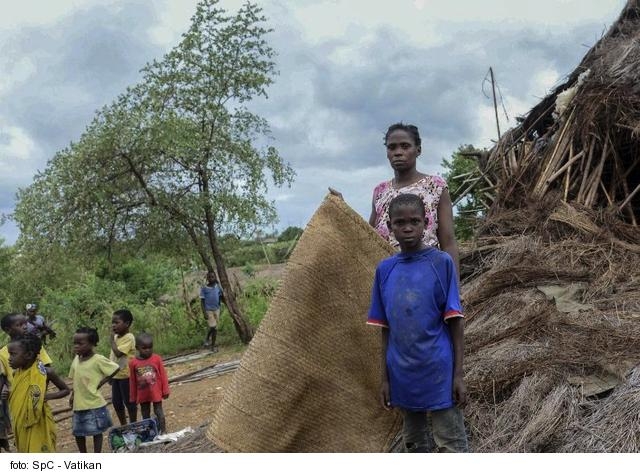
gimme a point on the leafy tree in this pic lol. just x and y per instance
(173, 159)
(466, 187)
(290, 233)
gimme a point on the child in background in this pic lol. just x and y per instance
(123, 349)
(415, 300)
(89, 371)
(34, 429)
(37, 325)
(210, 298)
(149, 382)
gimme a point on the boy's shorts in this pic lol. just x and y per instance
(212, 317)
(91, 422)
(447, 427)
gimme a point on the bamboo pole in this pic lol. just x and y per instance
(559, 149)
(629, 197)
(585, 173)
(564, 167)
(596, 176)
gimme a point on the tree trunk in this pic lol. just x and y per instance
(242, 325)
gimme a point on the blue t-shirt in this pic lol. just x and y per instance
(413, 295)
(211, 296)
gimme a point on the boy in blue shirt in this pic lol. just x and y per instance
(210, 298)
(415, 300)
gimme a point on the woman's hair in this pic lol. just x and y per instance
(29, 343)
(125, 315)
(411, 129)
(92, 334)
(406, 199)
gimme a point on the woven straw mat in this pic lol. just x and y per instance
(309, 379)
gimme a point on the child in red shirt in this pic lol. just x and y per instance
(148, 380)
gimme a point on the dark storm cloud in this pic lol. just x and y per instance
(82, 63)
(440, 88)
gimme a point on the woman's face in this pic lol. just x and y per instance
(402, 151)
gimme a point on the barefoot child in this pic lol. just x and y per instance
(149, 382)
(89, 371)
(416, 302)
(34, 429)
(123, 349)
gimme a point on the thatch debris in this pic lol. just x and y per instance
(563, 220)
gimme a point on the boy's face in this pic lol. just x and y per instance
(211, 278)
(17, 327)
(145, 348)
(407, 224)
(119, 326)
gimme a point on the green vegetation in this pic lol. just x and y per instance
(462, 175)
(173, 162)
(161, 291)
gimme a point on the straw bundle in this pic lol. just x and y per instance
(309, 379)
(528, 363)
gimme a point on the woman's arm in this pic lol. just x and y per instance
(372, 217)
(58, 382)
(446, 233)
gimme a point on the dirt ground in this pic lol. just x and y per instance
(190, 404)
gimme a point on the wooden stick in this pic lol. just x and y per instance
(629, 197)
(566, 165)
(597, 175)
(585, 172)
(606, 194)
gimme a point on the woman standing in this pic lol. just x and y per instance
(403, 145)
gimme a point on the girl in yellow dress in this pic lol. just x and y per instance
(33, 426)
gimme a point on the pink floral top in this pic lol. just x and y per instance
(429, 188)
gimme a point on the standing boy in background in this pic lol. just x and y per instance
(415, 300)
(210, 298)
(37, 325)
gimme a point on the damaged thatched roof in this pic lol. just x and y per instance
(552, 283)
(583, 140)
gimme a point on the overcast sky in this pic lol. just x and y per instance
(348, 69)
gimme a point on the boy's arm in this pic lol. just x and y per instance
(385, 397)
(114, 346)
(456, 327)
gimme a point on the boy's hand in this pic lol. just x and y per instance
(165, 396)
(385, 398)
(459, 392)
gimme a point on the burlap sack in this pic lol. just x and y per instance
(309, 380)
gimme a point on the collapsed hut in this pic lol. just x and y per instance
(551, 283)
